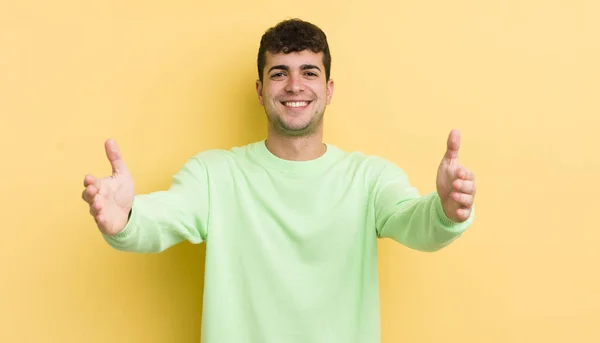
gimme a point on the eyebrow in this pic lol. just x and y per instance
(302, 67)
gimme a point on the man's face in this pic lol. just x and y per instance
(294, 92)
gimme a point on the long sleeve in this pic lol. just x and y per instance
(162, 219)
(416, 221)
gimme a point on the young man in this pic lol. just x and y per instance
(291, 223)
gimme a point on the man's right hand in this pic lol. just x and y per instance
(110, 198)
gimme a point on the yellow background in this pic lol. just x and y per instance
(167, 79)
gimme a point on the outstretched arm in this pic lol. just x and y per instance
(432, 221)
(152, 222)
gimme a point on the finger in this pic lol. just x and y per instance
(99, 204)
(464, 186)
(463, 199)
(452, 145)
(88, 180)
(465, 174)
(89, 193)
(463, 213)
(96, 207)
(93, 210)
(114, 156)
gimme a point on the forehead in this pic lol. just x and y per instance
(294, 59)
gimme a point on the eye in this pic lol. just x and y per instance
(311, 74)
(278, 75)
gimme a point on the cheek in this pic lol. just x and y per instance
(270, 94)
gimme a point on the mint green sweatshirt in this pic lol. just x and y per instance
(291, 253)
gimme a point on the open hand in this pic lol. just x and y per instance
(455, 183)
(110, 198)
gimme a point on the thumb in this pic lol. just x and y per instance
(114, 156)
(452, 145)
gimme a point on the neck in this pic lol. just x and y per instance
(303, 148)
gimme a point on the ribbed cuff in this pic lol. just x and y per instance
(447, 223)
(439, 210)
(130, 228)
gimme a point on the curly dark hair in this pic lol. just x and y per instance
(293, 35)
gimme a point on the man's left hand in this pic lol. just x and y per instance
(455, 183)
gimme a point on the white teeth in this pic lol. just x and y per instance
(296, 103)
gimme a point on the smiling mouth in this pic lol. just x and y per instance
(295, 104)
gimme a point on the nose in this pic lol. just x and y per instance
(294, 84)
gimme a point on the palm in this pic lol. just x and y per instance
(110, 198)
(455, 184)
(116, 193)
(446, 174)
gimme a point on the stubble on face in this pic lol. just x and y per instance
(309, 85)
(277, 123)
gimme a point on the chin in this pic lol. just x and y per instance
(294, 125)
(296, 129)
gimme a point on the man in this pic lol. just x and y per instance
(291, 223)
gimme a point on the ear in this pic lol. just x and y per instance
(259, 89)
(329, 90)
